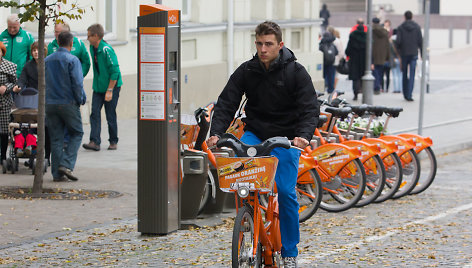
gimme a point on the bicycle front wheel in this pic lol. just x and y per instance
(428, 170)
(375, 171)
(309, 196)
(411, 173)
(394, 176)
(243, 240)
(345, 189)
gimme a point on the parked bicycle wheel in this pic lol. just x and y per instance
(428, 170)
(345, 189)
(376, 177)
(411, 173)
(243, 239)
(309, 196)
(394, 176)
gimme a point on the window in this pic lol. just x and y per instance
(296, 40)
(186, 9)
(110, 18)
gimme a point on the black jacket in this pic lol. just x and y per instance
(409, 38)
(355, 49)
(29, 75)
(280, 101)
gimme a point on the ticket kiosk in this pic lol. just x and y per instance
(158, 119)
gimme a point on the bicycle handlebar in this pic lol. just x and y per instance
(244, 150)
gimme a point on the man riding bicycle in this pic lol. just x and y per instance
(281, 101)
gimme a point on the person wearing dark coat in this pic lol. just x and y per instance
(380, 52)
(324, 14)
(355, 50)
(409, 41)
(281, 101)
(329, 71)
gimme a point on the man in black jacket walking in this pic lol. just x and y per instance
(409, 40)
(281, 101)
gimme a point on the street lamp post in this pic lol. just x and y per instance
(425, 58)
(368, 78)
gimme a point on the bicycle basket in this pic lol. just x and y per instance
(257, 172)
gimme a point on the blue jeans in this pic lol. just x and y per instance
(408, 81)
(286, 180)
(329, 73)
(98, 101)
(397, 77)
(378, 74)
(62, 117)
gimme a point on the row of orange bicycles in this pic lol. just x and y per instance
(343, 167)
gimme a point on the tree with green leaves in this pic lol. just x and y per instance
(44, 12)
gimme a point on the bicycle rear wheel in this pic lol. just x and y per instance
(376, 178)
(428, 170)
(309, 196)
(345, 189)
(394, 176)
(243, 240)
(411, 173)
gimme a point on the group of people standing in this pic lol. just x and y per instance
(66, 65)
(394, 50)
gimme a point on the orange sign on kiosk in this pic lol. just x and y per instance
(172, 17)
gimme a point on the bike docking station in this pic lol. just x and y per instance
(158, 119)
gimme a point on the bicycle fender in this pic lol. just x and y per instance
(367, 150)
(386, 147)
(403, 144)
(420, 141)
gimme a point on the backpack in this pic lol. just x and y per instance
(329, 53)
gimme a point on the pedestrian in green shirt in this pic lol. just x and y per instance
(18, 43)
(106, 88)
(78, 48)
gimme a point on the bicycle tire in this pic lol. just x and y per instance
(375, 181)
(309, 205)
(243, 238)
(429, 167)
(394, 176)
(411, 174)
(205, 196)
(347, 197)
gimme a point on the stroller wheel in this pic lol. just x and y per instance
(17, 163)
(32, 165)
(10, 166)
(13, 165)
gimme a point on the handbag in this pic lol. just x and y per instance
(343, 66)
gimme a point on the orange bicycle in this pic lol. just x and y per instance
(256, 233)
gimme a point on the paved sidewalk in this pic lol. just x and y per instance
(26, 221)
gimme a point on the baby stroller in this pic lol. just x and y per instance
(24, 120)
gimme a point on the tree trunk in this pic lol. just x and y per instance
(38, 172)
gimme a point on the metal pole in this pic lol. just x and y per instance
(230, 37)
(425, 57)
(450, 36)
(368, 78)
(467, 34)
(159, 2)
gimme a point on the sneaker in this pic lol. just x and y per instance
(91, 146)
(377, 92)
(68, 173)
(113, 146)
(62, 178)
(19, 152)
(290, 262)
(28, 150)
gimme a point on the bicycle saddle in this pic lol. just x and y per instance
(339, 112)
(393, 111)
(322, 120)
(244, 150)
(376, 110)
(359, 110)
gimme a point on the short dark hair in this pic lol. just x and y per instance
(64, 39)
(96, 29)
(35, 45)
(408, 15)
(269, 27)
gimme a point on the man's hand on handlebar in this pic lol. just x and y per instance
(212, 141)
(300, 142)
